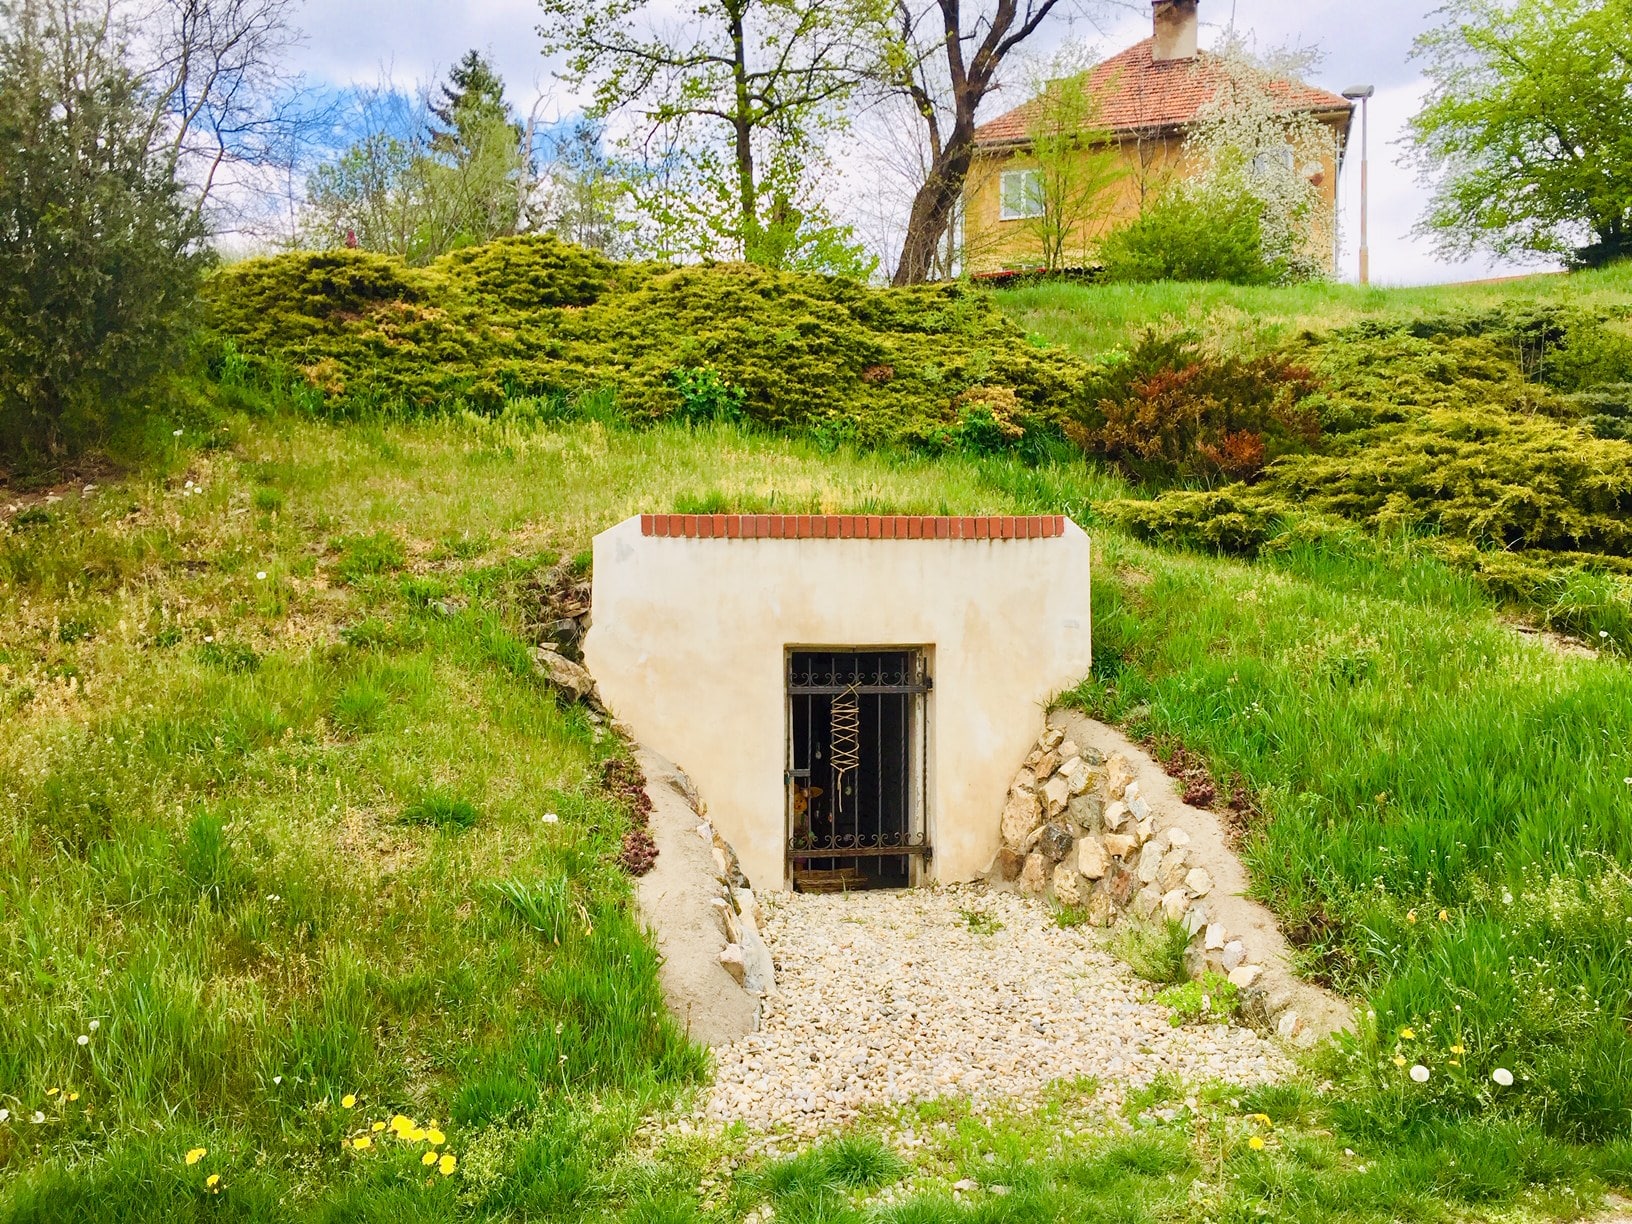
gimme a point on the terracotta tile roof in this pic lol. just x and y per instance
(1140, 93)
(852, 526)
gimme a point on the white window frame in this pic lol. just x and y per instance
(1032, 194)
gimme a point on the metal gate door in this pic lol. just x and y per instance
(857, 734)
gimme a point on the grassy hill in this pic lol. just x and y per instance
(276, 766)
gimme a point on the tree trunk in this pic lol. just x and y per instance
(932, 209)
(743, 123)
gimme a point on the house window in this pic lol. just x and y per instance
(1270, 162)
(1020, 195)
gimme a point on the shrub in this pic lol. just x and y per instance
(1173, 409)
(362, 333)
(441, 811)
(1211, 1000)
(99, 261)
(1192, 236)
(1155, 952)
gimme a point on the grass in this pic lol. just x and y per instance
(278, 837)
(1093, 319)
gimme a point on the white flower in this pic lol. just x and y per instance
(1419, 1073)
(82, 1039)
(94, 1025)
(176, 433)
(550, 818)
(1507, 897)
(209, 637)
(39, 1116)
(260, 575)
(5, 1115)
(189, 484)
(277, 1079)
(1502, 1076)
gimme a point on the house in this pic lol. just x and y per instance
(851, 694)
(1147, 97)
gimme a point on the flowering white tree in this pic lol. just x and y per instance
(1248, 141)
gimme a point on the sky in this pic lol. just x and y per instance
(357, 41)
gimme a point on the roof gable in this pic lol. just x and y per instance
(1139, 93)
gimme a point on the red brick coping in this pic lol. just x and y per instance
(851, 526)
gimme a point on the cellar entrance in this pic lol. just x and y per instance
(857, 736)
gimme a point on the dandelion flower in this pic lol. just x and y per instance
(1411, 917)
(1444, 915)
(212, 1180)
(194, 1155)
(347, 1101)
(37, 1118)
(1256, 1143)
(436, 1137)
(1502, 1076)
(260, 575)
(72, 1096)
(1419, 1073)
(551, 817)
(52, 1091)
(82, 1039)
(361, 1142)
(1406, 1034)
(377, 1127)
(1399, 1060)
(428, 1159)
(414, 1136)
(401, 1124)
(447, 1164)
(94, 1025)
(1459, 1048)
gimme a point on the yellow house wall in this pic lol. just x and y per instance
(991, 244)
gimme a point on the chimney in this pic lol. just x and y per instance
(1175, 30)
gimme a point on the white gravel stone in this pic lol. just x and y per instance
(889, 997)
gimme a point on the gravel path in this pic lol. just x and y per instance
(888, 997)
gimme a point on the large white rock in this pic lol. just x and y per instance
(1093, 860)
(1198, 882)
(1116, 815)
(1068, 885)
(1215, 937)
(1174, 902)
(1056, 793)
(1245, 975)
(1076, 774)
(1021, 815)
(1150, 866)
(1235, 953)
(1119, 845)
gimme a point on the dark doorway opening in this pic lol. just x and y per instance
(856, 752)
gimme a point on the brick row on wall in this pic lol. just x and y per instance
(852, 526)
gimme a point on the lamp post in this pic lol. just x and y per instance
(1362, 94)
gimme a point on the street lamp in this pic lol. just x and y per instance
(1362, 94)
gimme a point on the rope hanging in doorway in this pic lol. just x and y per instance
(844, 741)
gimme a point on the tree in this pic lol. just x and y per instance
(1072, 160)
(100, 251)
(734, 104)
(946, 61)
(412, 188)
(582, 193)
(1526, 132)
(1247, 142)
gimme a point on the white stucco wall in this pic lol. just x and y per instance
(689, 637)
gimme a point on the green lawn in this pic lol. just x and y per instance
(1091, 319)
(280, 838)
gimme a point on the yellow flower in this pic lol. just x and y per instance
(1444, 915)
(1454, 1062)
(197, 1154)
(447, 1164)
(436, 1137)
(1399, 1060)
(401, 1123)
(362, 1141)
(1259, 1117)
(1458, 1049)
(1256, 1144)
(1411, 917)
(1407, 1033)
(52, 1091)
(347, 1101)
(72, 1096)
(212, 1179)
(428, 1159)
